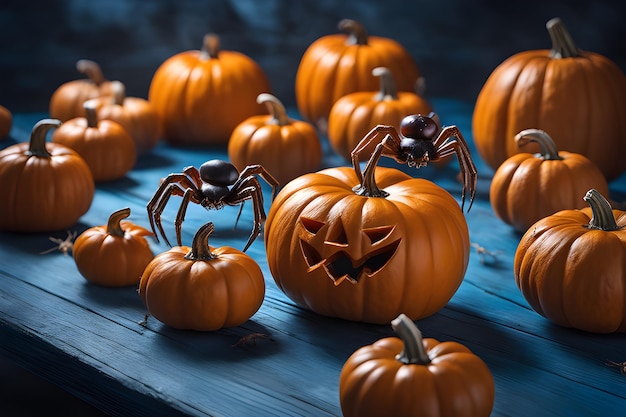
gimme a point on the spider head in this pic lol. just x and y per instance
(418, 126)
(416, 152)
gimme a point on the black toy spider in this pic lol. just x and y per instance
(421, 140)
(216, 184)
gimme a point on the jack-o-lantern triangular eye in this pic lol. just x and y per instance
(376, 234)
(312, 226)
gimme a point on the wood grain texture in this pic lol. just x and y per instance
(89, 339)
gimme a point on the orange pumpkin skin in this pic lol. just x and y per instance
(336, 65)
(287, 148)
(105, 146)
(317, 225)
(67, 100)
(46, 186)
(580, 100)
(201, 96)
(6, 121)
(453, 383)
(136, 115)
(575, 275)
(202, 294)
(528, 187)
(355, 114)
(113, 255)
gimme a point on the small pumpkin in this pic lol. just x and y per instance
(355, 114)
(412, 376)
(201, 96)
(136, 115)
(577, 96)
(339, 64)
(571, 267)
(113, 255)
(366, 248)
(203, 287)
(67, 100)
(528, 187)
(286, 147)
(106, 146)
(6, 122)
(46, 186)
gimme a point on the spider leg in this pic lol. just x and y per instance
(173, 184)
(379, 133)
(251, 170)
(250, 189)
(451, 141)
(190, 194)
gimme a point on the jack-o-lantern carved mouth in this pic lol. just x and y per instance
(340, 265)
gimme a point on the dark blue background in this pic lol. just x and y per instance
(456, 43)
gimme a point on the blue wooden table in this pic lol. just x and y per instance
(89, 339)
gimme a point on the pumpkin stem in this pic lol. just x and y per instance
(200, 250)
(602, 217)
(388, 90)
(119, 92)
(414, 351)
(548, 150)
(114, 228)
(210, 46)
(368, 186)
(356, 32)
(275, 108)
(37, 146)
(91, 114)
(562, 43)
(91, 70)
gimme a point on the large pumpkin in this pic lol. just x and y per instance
(528, 187)
(366, 250)
(201, 96)
(115, 254)
(67, 100)
(355, 114)
(339, 64)
(45, 186)
(571, 267)
(577, 96)
(411, 376)
(105, 146)
(202, 287)
(287, 148)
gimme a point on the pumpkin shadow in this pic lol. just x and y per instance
(251, 340)
(597, 346)
(152, 160)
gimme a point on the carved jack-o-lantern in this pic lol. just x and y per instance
(366, 249)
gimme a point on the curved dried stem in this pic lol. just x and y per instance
(414, 351)
(602, 217)
(388, 89)
(275, 108)
(37, 146)
(91, 70)
(210, 46)
(562, 43)
(114, 228)
(356, 32)
(200, 250)
(548, 149)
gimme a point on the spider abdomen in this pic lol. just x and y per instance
(218, 172)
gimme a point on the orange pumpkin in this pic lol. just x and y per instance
(114, 255)
(46, 186)
(577, 96)
(366, 250)
(355, 114)
(287, 148)
(528, 187)
(202, 287)
(571, 267)
(6, 121)
(106, 146)
(411, 376)
(201, 96)
(67, 100)
(340, 64)
(136, 115)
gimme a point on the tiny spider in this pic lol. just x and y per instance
(619, 365)
(63, 246)
(251, 339)
(484, 253)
